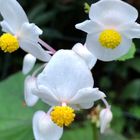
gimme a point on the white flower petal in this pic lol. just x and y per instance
(106, 54)
(29, 85)
(112, 13)
(6, 27)
(66, 73)
(47, 95)
(85, 54)
(131, 30)
(13, 14)
(86, 97)
(44, 128)
(28, 63)
(89, 26)
(29, 32)
(35, 49)
(105, 119)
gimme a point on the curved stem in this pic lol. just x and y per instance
(106, 103)
(47, 46)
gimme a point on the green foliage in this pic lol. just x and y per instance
(86, 7)
(132, 90)
(130, 54)
(15, 116)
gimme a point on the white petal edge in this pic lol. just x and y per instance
(107, 13)
(86, 97)
(29, 85)
(44, 128)
(85, 54)
(105, 54)
(105, 119)
(46, 95)
(130, 30)
(9, 10)
(28, 63)
(89, 26)
(6, 27)
(36, 50)
(29, 32)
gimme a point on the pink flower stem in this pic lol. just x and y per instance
(48, 47)
(106, 103)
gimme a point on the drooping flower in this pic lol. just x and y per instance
(44, 128)
(66, 84)
(110, 29)
(66, 78)
(19, 32)
(105, 119)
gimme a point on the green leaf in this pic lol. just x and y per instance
(132, 90)
(118, 121)
(129, 55)
(85, 133)
(135, 111)
(15, 117)
(86, 7)
(134, 64)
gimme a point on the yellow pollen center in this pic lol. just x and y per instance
(110, 39)
(62, 115)
(8, 43)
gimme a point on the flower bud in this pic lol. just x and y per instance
(105, 119)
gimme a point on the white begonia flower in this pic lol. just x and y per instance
(66, 83)
(105, 119)
(44, 128)
(110, 29)
(82, 51)
(19, 32)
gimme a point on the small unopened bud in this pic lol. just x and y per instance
(105, 119)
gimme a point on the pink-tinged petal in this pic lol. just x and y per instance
(44, 128)
(29, 86)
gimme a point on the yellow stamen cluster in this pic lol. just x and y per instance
(8, 43)
(110, 39)
(62, 115)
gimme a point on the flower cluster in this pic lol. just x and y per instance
(66, 83)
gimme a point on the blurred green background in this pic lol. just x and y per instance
(119, 80)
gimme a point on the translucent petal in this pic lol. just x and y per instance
(105, 119)
(44, 128)
(29, 85)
